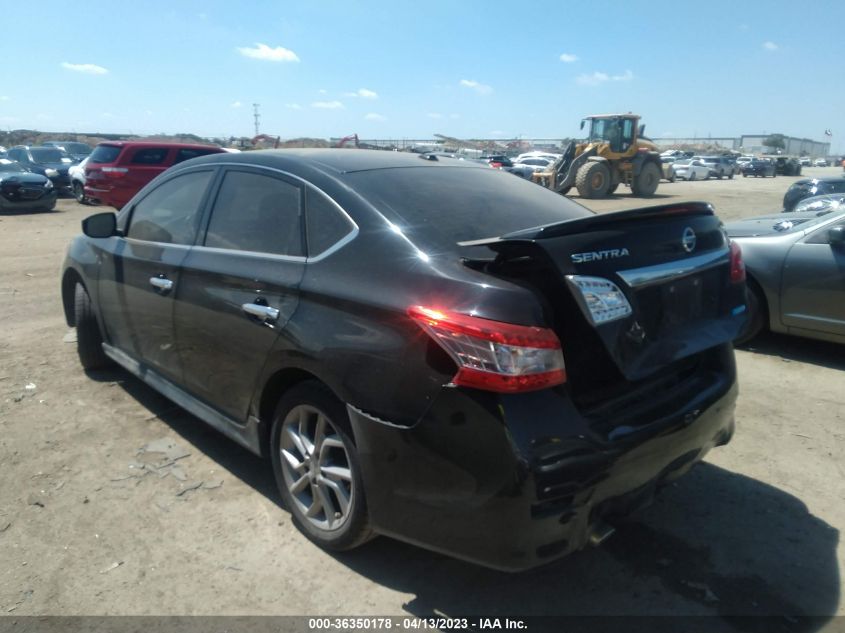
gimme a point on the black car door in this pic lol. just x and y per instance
(139, 274)
(239, 286)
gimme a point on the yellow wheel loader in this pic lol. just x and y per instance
(614, 153)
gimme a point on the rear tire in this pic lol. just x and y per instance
(89, 339)
(691, 176)
(316, 467)
(78, 192)
(593, 180)
(757, 314)
(645, 184)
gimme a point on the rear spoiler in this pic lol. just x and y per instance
(596, 222)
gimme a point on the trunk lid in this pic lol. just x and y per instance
(671, 263)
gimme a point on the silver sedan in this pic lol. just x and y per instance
(795, 265)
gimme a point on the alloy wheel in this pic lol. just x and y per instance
(316, 468)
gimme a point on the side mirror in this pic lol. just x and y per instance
(100, 225)
(836, 236)
(582, 124)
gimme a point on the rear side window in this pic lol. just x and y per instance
(149, 156)
(326, 224)
(257, 213)
(170, 213)
(189, 153)
(104, 154)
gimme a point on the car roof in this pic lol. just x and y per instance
(156, 144)
(336, 160)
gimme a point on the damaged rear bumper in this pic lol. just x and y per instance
(513, 482)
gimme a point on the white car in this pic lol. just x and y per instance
(820, 162)
(77, 180)
(691, 169)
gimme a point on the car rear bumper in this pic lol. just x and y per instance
(514, 482)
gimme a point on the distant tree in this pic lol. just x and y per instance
(775, 141)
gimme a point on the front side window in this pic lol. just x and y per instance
(170, 213)
(257, 213)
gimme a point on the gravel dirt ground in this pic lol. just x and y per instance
(114, 501)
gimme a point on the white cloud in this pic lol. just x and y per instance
(434, 115)
(293, 106)
(5, 98)
(482, 89)
(107, 115)
(262, 51)
(454, 116)
(598, 78)
(9, 119)
(568, 58)
(90, 69)
(496, 132)
(770, 46)
(373, 116)
(363, 93)
(327, 105)
(592, 80)
(236, 104)
(323, 91)
(148, 112)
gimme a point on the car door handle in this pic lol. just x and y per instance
(265, 313)
(161, 283)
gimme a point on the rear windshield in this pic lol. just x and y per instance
(440, 206)
(77, 148)
(104, 154)
(46, 155)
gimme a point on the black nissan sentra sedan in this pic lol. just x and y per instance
(424, 347)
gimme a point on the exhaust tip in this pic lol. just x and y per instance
(600, 532)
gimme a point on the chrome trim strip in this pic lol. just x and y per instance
(244, 434)
(650, 275)
(135, 240)
(232, 251)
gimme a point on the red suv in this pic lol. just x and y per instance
(117, 170)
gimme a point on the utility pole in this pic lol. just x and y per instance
(256, 115)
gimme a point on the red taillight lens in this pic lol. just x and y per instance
(115, 172)
(737, 265)
(493, 355)
(496, 165)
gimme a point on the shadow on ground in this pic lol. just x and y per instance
(795, 348)
(715, 543)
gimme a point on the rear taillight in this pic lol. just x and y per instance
(493, 355)
(737, 265)
(496, 165)
(115, 172)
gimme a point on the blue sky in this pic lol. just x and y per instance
(412, 69)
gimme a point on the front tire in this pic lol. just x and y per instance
(315, 463)
(691, 176)
(89, 339)
(593, 180)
